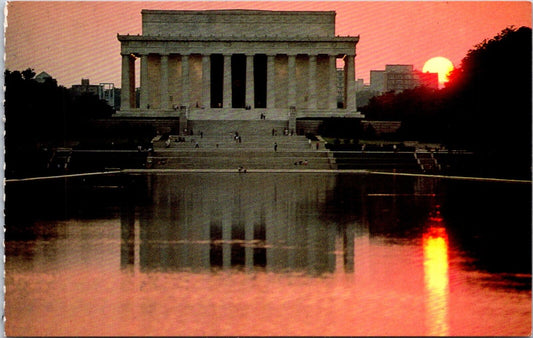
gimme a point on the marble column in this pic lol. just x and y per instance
(164, 82)
(185, 82)
(226, 240)
(349, 248)
(271, 89)
(312, 104)
(144, 102)
(292, 81)
(206, 81)
(249, 237)
(332, 97)
(127, 100)
(349, 83)
(226, 100)
(250, 88)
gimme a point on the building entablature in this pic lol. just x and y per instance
(269, 47)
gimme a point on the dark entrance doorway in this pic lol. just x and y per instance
(260, 80)
(238, 80)
(217, 80)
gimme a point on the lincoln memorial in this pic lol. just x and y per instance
(238, 64)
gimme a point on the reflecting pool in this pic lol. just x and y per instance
(267, 254)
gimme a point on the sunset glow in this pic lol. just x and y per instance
(440, 65)
(72, 40)
(435, 243)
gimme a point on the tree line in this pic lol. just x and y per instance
(40, 115)
(44, 112)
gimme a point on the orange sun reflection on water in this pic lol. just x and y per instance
(436, 278)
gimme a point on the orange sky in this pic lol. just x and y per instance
(74, 40)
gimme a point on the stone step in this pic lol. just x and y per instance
(230, 163)
(238, 147)
(238, 114)
(243, 127)
(376, 160)
(218, 148)
(265, 144)
(244, 140)
(231, 137)
(376, 165)
(285, 159)
(245, 153)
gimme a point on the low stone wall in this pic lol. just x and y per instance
(308, 126)
(383, 127)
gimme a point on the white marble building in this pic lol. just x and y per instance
(237, 64)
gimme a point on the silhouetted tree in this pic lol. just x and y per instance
(34, 111)
(369, 133)
(40, 115)
(418, 109)
(381, 107)
(28, 74)
(35, 117)
(488, 103)
(88, 106)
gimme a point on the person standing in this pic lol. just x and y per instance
(275, 146)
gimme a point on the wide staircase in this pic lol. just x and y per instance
(261, 144)
(427, 161)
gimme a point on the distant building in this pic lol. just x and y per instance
(400, 77)
(42, 76)
(104, 91)
(340, 88)
(85, 88)
(363, 93)
(377, 80)
(360, 85)
(394, 78)
(430, 80)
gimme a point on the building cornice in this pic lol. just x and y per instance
(128, 37)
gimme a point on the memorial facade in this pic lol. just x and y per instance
(237, 64)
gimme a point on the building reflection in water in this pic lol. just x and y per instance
(436, 278)
(238, 221)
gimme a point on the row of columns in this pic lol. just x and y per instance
(128, 81)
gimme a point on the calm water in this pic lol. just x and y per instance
(267, 254)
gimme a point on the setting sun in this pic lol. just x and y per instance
(440, 65)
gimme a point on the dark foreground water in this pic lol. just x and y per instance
(267, 254)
